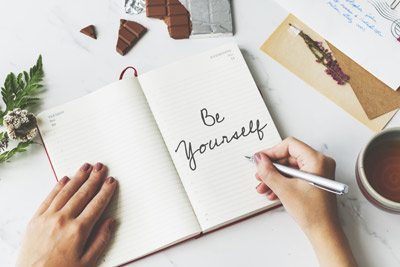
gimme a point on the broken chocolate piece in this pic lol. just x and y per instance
(129, 33)
(210, 18)
(174, 14)
(89, 31)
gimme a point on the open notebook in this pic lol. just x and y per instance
(175, 139)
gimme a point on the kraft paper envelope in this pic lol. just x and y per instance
(291, 51)
(375, 97)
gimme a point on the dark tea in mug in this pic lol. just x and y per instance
(378, 170)
(382, 168)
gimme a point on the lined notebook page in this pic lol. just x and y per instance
(115, 126)
(185, 98)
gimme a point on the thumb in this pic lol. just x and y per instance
(268, 173)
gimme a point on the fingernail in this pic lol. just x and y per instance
(64, 180)
(111, 226)
(98, 167)
(85, 167)
(258, 185)
(110, 180)
(257, 158)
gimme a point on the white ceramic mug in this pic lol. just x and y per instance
(391, 134)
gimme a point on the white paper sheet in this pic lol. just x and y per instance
(368, 31)
(114, 125)
(185, 98)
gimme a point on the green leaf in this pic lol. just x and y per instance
(18, 90)
(21, 147)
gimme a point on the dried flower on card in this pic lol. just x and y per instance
(324, 57)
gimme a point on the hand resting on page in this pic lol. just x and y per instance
(62, 232)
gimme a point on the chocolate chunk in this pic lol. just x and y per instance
(179, 32)
(176, 9)
(157, 12)
(129, 33)
(174, 14)
(89, 31)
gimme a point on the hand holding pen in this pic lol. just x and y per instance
(296, 193)
(314, 180)
(313, 209)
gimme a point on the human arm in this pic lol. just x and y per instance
(313, 209)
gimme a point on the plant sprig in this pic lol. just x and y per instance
(21, 147)
(324, 57)
(19, 92)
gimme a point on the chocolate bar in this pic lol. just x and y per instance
(174, 14)
(129, 33)
(89, 31)
(210, 18)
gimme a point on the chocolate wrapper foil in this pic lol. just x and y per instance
(135, 6)
(210, 18)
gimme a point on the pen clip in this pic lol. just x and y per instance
(327, 189)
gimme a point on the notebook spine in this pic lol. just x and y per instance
(48, 156)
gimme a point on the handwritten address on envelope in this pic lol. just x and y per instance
(354, 13)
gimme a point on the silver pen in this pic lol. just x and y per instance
(315, 180)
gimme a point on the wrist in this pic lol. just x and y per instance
(322, 229)
(331, 245)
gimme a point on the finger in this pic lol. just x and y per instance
(57, 188)
(290, 161)
(269, 192)
(86, 192)
(284, 161)
(293, 162)
(290, 147)
(91, 214)
(262, 188)
(69, 190)
(272, 196)
(258, 177)
(99, 242)
(267, 172)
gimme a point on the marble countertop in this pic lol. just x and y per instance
(75, 65)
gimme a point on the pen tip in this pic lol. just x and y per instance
(251, 159)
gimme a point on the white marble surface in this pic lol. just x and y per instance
(75, 65)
